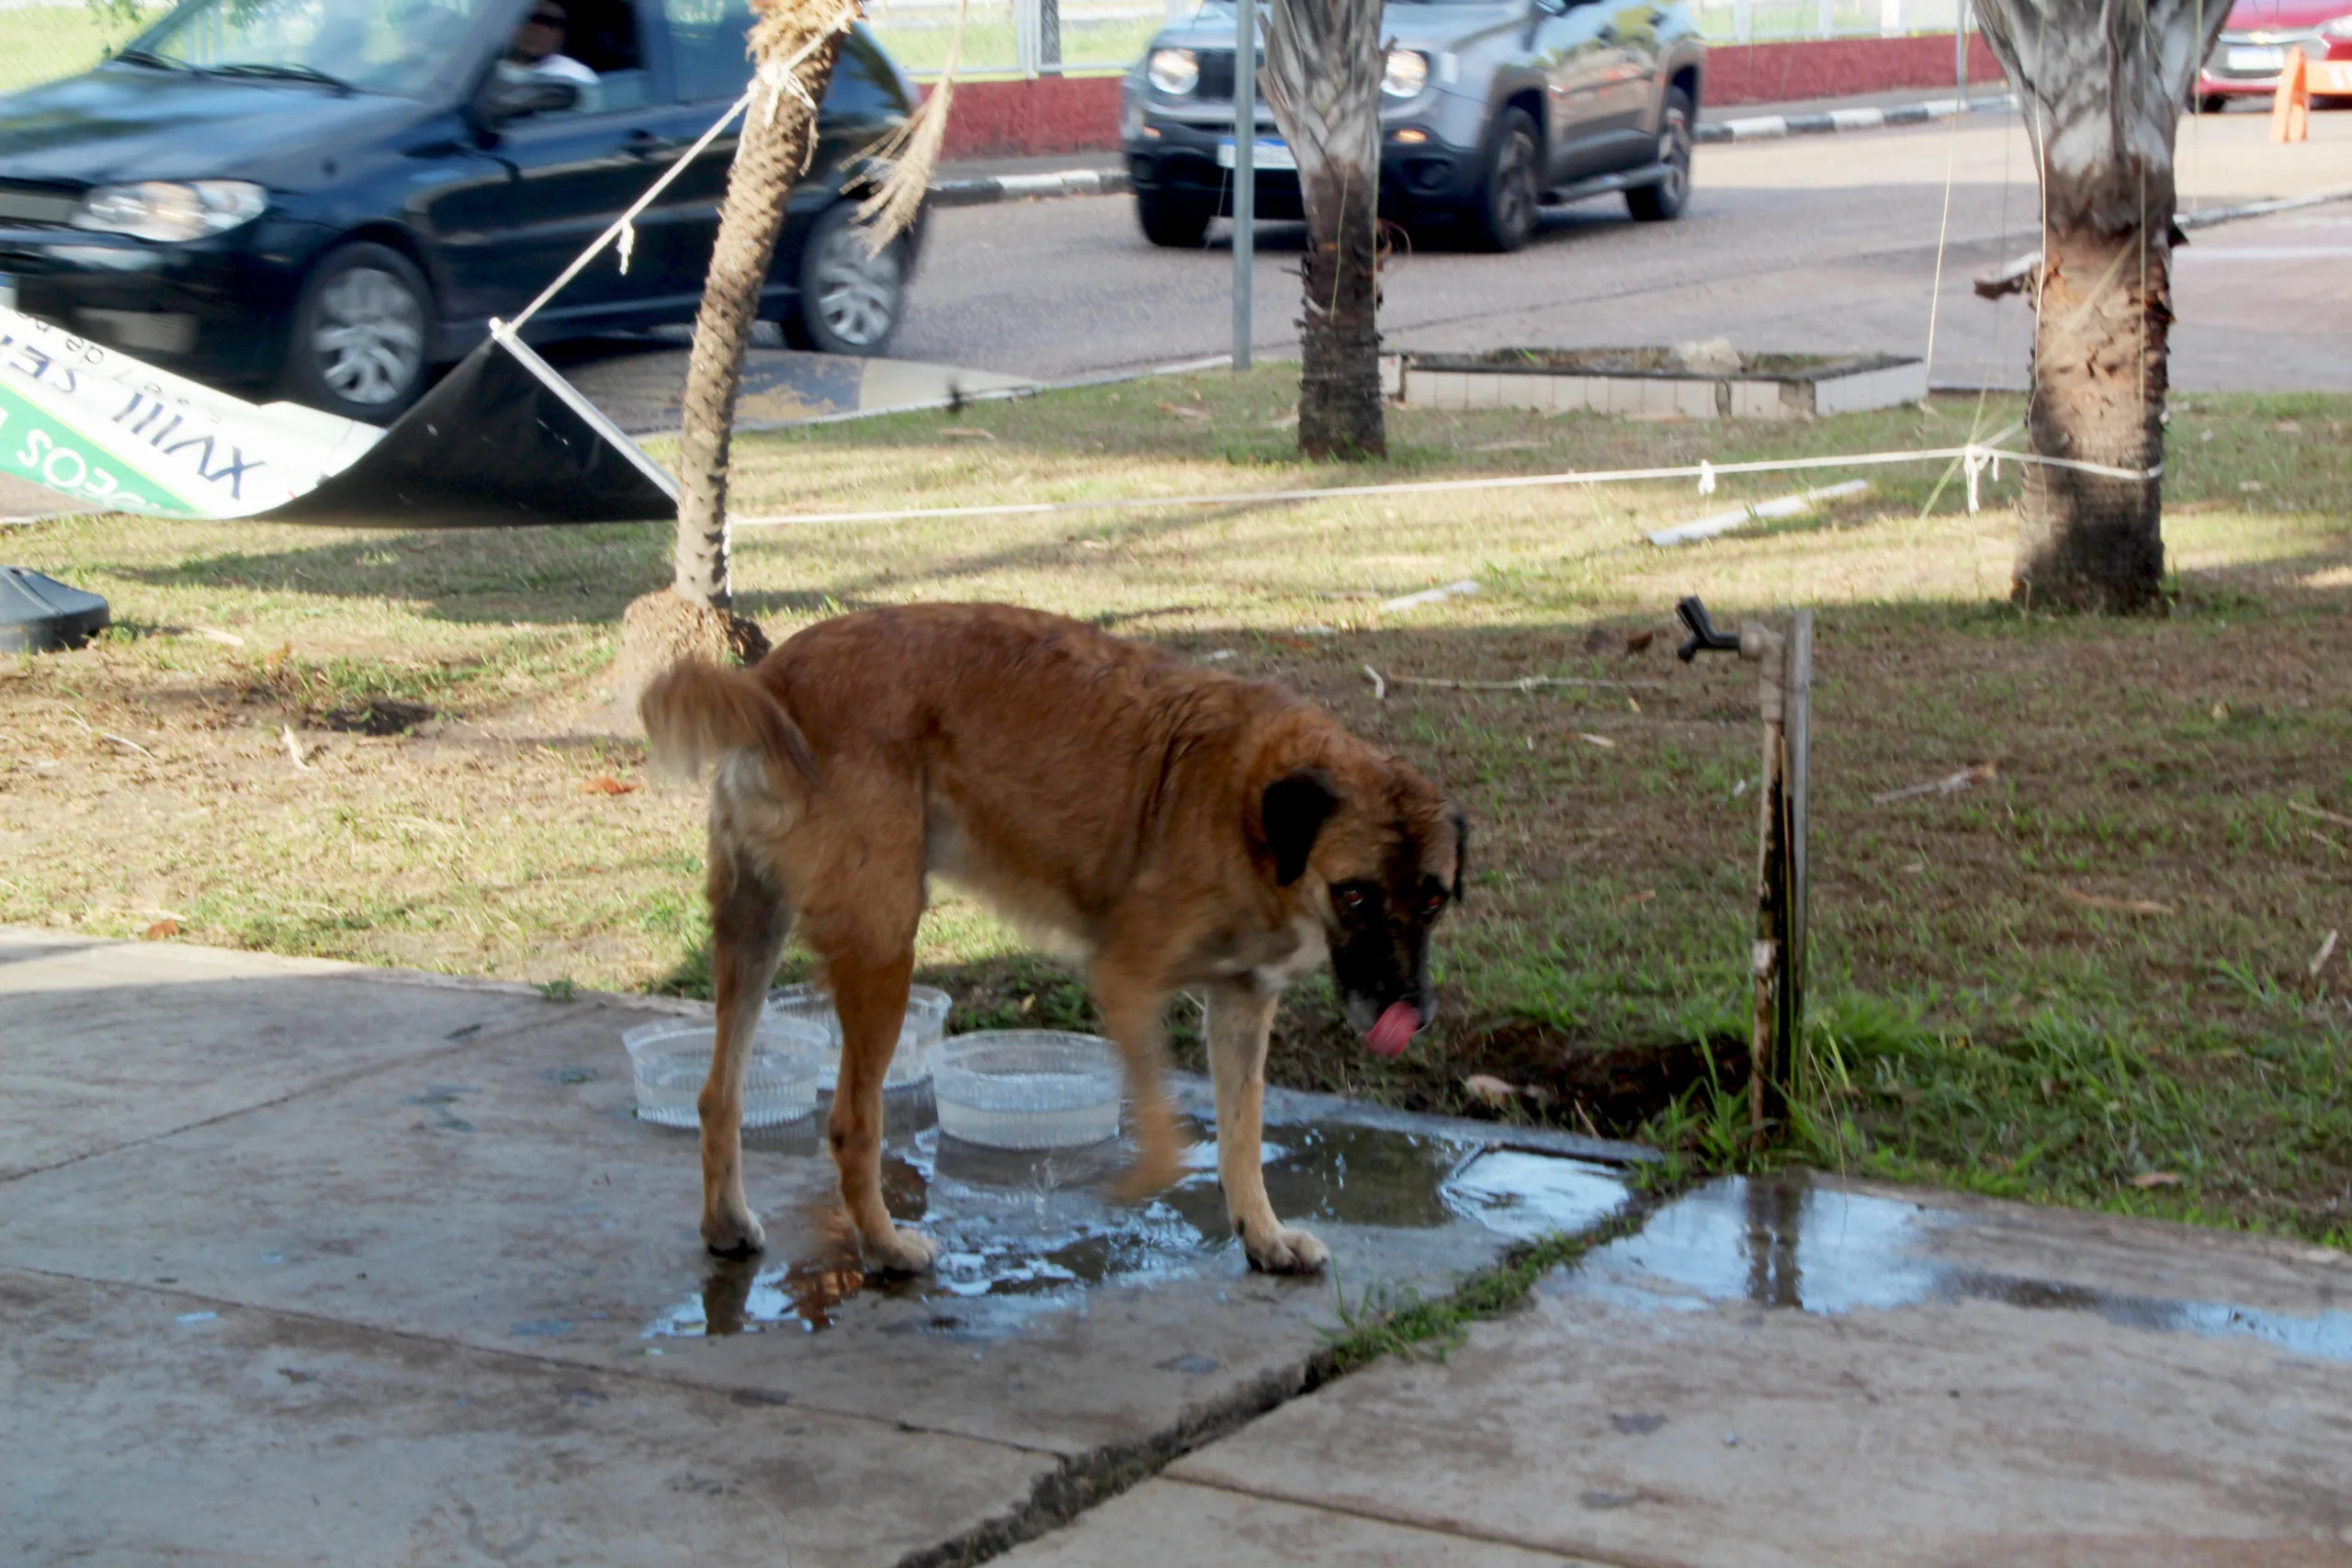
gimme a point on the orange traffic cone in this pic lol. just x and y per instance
(2290, 109)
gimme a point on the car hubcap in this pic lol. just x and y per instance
(1674, 151)
(369, 337)
(857, 290)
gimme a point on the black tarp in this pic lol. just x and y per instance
(497, 442)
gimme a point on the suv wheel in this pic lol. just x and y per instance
(1178, 225)
(851, 297)
(1503, 218)
(358, 346)
(1658, 203)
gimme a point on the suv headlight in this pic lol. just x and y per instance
(171, 210)
(1407, 72)
(1174, 71)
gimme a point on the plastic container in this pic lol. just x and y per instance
(1027, 1089)
(671, 1059)
(911, 1062)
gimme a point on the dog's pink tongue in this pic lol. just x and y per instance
(1395, 1031)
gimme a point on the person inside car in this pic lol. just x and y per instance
(538, 53)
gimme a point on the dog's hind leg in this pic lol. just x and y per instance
(749, 918)
(1131, 1008)
(1239, 1020)
(871, 999)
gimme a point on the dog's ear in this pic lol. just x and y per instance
(1293, 810)
(1461, 852)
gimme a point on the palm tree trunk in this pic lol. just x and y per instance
(793, 44)
(796, 40)
(2103, 86)
(2094, 541)
(1324, 59)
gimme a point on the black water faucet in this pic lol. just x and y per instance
(1705, 638)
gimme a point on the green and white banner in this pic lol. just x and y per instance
(96, 426)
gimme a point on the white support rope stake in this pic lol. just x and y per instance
(1975, 451)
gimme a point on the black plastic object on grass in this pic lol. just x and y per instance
(40, 614)
(496, 443)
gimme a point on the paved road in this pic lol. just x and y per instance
(1816, 244)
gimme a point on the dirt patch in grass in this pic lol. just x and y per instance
(1999, 1003)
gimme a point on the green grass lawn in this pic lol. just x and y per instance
(2086, 979)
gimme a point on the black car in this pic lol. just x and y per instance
(329, 198)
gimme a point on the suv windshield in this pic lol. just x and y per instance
(383, 46)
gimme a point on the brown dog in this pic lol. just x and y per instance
(1190, 830)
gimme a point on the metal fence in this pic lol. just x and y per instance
(41, 39)
(1781, 21)
(1023, 38)
(1027, 37)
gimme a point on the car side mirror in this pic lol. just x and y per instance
(507, 98)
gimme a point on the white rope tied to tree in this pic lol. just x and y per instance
(1977, 451)
(625, 223)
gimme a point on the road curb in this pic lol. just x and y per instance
(984, 189)
(1773, 126)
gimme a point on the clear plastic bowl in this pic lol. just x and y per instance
(911, 1062)
(1027, 1089)
(671, 1059)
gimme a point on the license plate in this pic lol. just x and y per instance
(1267, 153)
(2243, 59)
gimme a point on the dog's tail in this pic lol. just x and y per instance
(695, 712)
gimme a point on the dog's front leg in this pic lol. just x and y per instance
(1240, 1021)
(749, 920)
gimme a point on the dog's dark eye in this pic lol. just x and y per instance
(1432, 904)
(1352, 896)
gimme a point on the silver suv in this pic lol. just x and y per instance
(1489, 109)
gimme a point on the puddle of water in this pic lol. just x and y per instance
(1022, 1234)
(1783, 1243)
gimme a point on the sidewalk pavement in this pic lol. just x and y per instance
(1793, 1374)
(302, 1262)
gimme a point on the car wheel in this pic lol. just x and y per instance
(1665, 200)
(850, 296)
(362, 328)
(1177, 225)
(2213, 103)
(1503, 218)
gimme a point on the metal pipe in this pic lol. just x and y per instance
(1245, 176)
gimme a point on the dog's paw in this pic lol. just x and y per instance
(1284, 1250)
(734, 1235)
(901, 1251)
(1152, 1173)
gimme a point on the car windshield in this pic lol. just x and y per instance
(384, 46)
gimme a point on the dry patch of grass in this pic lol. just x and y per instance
(1991, 1008)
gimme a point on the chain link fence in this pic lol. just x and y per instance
(42, 40)
(1784, 21)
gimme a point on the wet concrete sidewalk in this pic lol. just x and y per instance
(1792, 1372)
(303, 1263)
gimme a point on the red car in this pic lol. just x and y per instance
(2252, 50)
